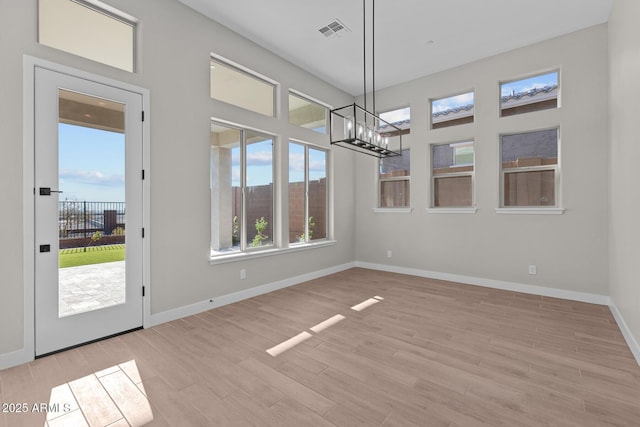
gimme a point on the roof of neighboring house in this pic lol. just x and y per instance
(530, 96)
(453, 113)
(403, 124)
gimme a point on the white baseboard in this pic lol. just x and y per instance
(15, 358)
(490, 283)
(626, 332)
(199, 307)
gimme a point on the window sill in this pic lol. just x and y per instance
(242, 256)
(530, 211)
(393, 210)
(452, 210)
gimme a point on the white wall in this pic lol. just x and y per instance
(174, 65)
(624, 57)
(570, 250)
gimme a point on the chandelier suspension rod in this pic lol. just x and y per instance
(364, 50)
(373, 53)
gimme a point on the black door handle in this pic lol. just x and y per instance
(46, 191)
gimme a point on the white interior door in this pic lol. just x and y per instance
(88, 211)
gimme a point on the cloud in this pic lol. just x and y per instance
(259, 158)
(91, 178)
(256, 158)
(317, 166)
(452, 102)
(296, 161)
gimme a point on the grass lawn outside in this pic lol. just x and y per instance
(74, 257)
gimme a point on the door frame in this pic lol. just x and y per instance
(30, 64)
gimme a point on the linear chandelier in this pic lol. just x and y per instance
(356, 128)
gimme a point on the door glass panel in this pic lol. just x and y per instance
(91, 211)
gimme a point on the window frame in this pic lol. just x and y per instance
(244, 247)
(526, 77)
(327, 109)
(443, 124)
(556, 168)
(247, 72)
(307, 146)
(453, 209)
(380, 180)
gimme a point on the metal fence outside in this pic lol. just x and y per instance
(81, 219)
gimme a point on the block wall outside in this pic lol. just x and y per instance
(260, 204)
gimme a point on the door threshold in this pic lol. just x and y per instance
(88, 342)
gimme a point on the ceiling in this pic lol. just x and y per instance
(413, 38)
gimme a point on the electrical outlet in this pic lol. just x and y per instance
(389, 254)
(243, 273)
(533, 269)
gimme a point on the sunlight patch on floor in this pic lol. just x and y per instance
(292, 342)
(365, 304)
(112, 396)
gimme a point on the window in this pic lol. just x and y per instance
(242, 189)
(83, 28)
(307, 193)
(531, 94)
(530, 169)
(400, 118)
(452, 111)
(233, 85)
(394, 181)
(452, 167)
(307, 113)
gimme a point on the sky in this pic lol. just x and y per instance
(260, 164)
(317, 163)
(91, 164)
(396, 116)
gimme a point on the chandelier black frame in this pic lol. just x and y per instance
(363, 131)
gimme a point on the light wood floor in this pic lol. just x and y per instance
(423, 353)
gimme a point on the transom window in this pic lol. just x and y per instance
(452, 174)
(530, 169)
(234, 85)
(307, 113)
(531, 94)
(452, 111)
(242, 189)
(89, 29)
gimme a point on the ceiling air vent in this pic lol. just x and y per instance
(335, 27)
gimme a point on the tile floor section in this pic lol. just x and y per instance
(89, 287)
